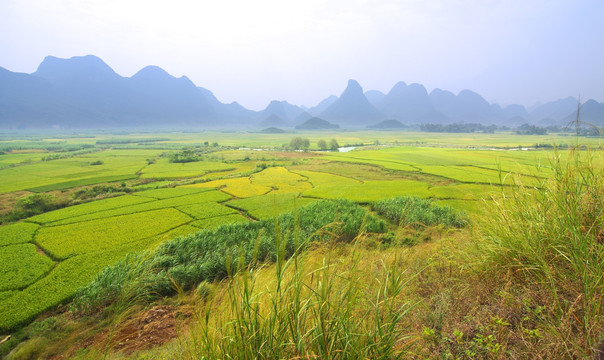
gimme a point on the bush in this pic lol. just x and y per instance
(414, 211)
(299, 143)
(322, 144)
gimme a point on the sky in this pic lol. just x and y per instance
(301, 51)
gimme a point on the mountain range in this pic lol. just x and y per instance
(84, 92)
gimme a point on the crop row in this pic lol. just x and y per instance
(318, 179)
(238, 187)
(70, 172)
(166, 193)
(19, 307)
(22, 265)
(203, 197)
(165, 170)
(82, 182)
(64, 241)
(17, 233)
(281, 180)
(88, 208)
(206, 210)
(214, 222)
(58, 286)
(370, 191)
(270, 205)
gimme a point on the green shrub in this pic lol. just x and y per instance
(411, 210)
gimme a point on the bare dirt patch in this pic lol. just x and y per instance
(153, 327)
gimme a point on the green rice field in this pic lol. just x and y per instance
(249, 177)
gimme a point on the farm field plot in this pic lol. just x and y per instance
(239, 169)
(85, 238)
(214, 222)
(436, 161)
(64, 241)
(280, 180)
(354, 157)
(88, 208)
(22, 265)
(12, 159)
(202, 197)
(472, 174)
(371, 190)
(163, 169)
(61, 283)
(270, 205)
(318, 179)
(78, 170)
(52, 254)
(17, 233)
(150, 243)
(358, 171)
(464, 191)
(165, 193)
(206, 210)
(257, 155)
(238, 187)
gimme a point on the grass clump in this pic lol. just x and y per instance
(411, 210)
(310, 308)
(551, 238)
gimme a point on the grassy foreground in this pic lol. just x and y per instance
(526, 282)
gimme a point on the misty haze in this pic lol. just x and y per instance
(320, 179)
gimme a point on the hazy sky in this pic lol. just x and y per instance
(509, 51)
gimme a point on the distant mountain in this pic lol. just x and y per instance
(273, 121)
(227, 113)
(29, 101)
(316, 124)
(553, 113)
(301, 118)
(272, 130)
(387, 125)
(282, 109)
(591, 112)
(465, 107)
(158, 96)
(410, 104)
(85, 92)
(374, 96)
(352, 108)
(323, 105)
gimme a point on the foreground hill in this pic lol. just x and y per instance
(316, 124)
(387, 125)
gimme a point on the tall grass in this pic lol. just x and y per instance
(307, 311)
(553, 237)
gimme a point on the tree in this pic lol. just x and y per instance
(299, 143)
(333, 144)
(322, 144)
